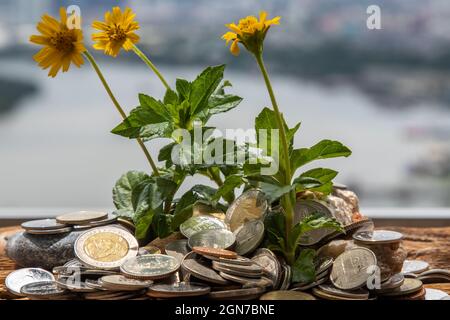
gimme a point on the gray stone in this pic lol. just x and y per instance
(43, 251)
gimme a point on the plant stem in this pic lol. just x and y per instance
(285, 147)
(119, 108)
(150, 64)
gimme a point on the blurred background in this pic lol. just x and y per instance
(384, 93)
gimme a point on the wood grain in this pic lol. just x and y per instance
(428, 244)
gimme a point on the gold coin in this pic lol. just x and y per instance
(105, 247)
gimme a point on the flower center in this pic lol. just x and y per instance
(63, 41)
(116, 33)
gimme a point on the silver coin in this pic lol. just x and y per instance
(217, 239)
(110, 219)
(200, 223)
(122, 283)
(304, 208)
(176, 290)
(177, 249)
(248, 282)
(446, 298)
(239, 272)
(286, 295)
(378, 236)
(150, 266)
(74, 284)
(47, 232)
(351, 269)
(43, 224)
(269, 262)
(443, 272)
(192, 264)
(409, 286)
(94, 284)
(352, 294)
(287, 278)
(249, 236)
(304, 287)
(414, 266)
(251, 205)
(81, 217)
(42, 289)
(434, 294)
(105, 247)
(392, 283)
(323, 264)
(18, 278)
(253, 268)
(242, 261)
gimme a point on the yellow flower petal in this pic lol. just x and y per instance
(262, 16)
(61, 45)
(117, 31)
(234, 27)
(234, 48)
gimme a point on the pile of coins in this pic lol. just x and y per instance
(218, 259)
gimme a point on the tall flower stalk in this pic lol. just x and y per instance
(251, 33)
(119, 109)
(62, 45)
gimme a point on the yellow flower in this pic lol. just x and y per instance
(62, 45)
(250, 32)
(117, 31)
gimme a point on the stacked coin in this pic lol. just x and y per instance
(322, 270)
(45, 227)
(228, 275)
(385, 244)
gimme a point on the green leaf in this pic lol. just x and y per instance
(230, 183)
(165, 154)
(275, 225)
(185, 205)
(122, 191)
(322, 150)
(266, 120)
(148, 121)
(319, 179)
(183, 88)
(324, 175)
(203, 87)
(148, 201)
(161, 225)
(170, 97)
(312, 222)
(222, 103)
(304, 270)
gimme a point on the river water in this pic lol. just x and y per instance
(56, 149)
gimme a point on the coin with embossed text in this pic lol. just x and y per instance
(249, 236)
(18, 278)
(251, 205)
(200, 223)
(351, 269)
(269, 262)
(218, 239)
(150, 266)
(42, 289)
(105, 247)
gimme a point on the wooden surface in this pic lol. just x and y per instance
(429, 244)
